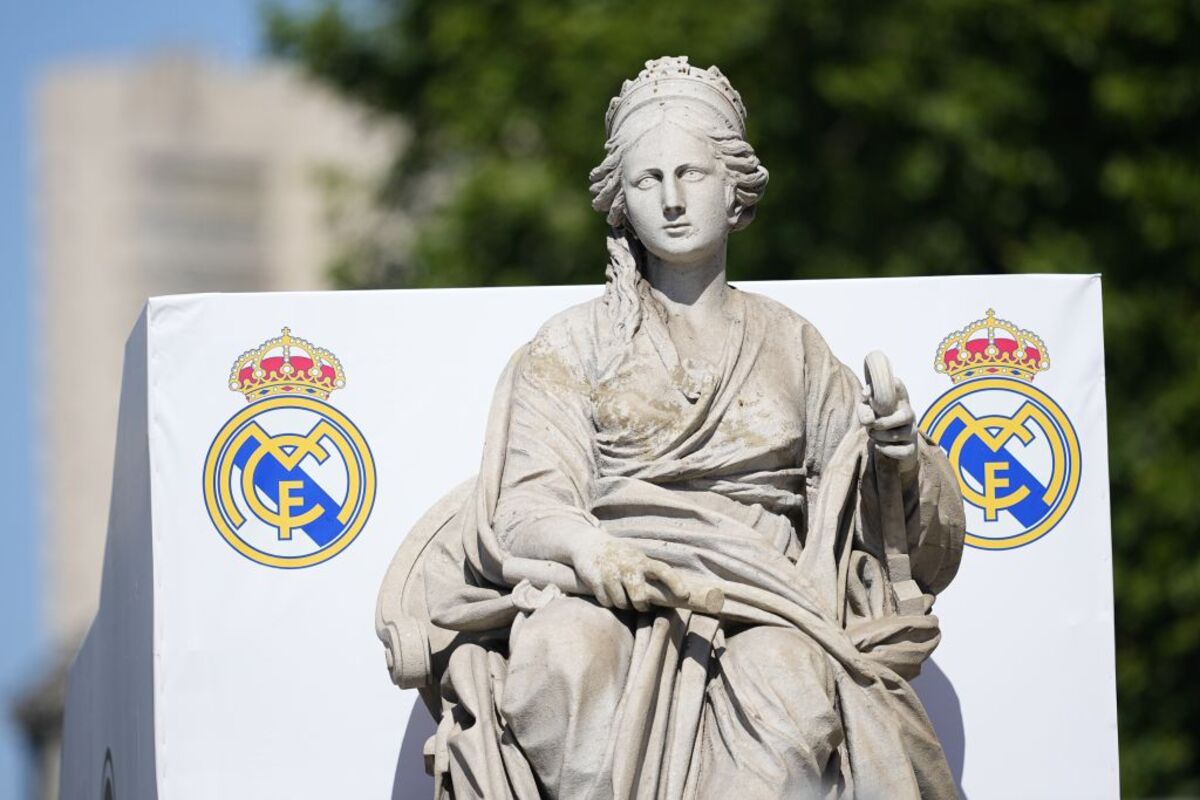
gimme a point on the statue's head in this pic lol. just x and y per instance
(679, 176)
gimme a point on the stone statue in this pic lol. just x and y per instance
(699, 558)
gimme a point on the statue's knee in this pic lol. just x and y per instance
(568, 656)
(570, 632)
(780, 656)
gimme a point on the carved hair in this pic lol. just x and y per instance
(746, 180)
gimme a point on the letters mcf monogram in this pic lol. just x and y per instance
(1016, 453)
(289, 481)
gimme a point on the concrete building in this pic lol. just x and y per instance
(163, 176)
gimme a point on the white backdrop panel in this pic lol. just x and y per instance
(270, 682)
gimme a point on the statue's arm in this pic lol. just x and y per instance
(542, 509)
(831, 393)
(545, 491)
(929, 490)
(936, 509)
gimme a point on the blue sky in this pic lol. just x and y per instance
(33, 35)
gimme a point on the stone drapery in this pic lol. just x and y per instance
(749, 474)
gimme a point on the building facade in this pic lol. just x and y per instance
(169, 175)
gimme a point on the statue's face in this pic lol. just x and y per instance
(675, 194)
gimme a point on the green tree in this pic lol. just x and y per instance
(916, 136)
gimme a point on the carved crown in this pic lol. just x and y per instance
(992, 347)
(673, 77)
(286, 365)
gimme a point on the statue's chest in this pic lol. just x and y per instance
(642, 408)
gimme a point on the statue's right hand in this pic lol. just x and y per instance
(618, 574)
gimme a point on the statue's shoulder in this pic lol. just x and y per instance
(780, 318)
(574, 320)
(574, 327)
(567, 341)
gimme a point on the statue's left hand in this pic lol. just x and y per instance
(895, 435)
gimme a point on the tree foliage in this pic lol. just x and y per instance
(909, 137)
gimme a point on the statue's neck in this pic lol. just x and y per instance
(695, 289)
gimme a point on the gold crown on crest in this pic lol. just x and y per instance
(286, 365)
(992, 347)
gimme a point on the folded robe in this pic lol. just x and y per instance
(750, 474)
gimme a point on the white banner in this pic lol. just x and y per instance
(234, 654)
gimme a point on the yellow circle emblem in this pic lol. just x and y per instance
(1016, 455)
(289, 481)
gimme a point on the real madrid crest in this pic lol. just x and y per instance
(1014, 450)
(289, 481)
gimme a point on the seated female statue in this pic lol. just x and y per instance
(670, 444)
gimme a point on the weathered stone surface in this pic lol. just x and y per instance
(699, 559)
